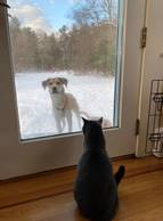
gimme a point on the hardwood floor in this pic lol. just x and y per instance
(48, 196)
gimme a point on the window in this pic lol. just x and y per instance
(76, 40)
(34, 155)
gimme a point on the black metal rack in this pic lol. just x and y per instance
(154, 140)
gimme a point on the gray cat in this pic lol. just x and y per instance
(95, 188)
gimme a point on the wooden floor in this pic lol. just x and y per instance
(48, 196)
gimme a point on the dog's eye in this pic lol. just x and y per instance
(58, 83)
(50, 83)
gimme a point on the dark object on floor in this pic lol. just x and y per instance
(95, 189)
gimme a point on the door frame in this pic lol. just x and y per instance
(147, 74)
(20, 158)
(141, 137)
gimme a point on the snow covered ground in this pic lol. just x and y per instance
(95, 96)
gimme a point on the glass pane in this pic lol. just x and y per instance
(67, 62)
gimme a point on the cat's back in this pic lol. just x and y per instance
(95, 169)
(95, 161)
(95, 188)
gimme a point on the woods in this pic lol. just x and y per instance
(88, 46)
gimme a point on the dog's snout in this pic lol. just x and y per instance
(54, 89)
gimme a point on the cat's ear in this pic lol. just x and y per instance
(84, 120)
(100, 120)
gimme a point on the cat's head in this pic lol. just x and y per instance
(93, 134)
(90, 126)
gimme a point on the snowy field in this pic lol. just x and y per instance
(95, 96)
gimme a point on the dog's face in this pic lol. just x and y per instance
(55, 85)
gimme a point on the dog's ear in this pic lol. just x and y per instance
(63, 81)
(45, 84)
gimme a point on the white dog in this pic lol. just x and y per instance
(63, 104)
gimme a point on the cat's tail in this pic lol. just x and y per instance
(120, 174)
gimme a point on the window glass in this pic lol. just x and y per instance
(66, 56)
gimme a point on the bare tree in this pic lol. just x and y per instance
(95, 12)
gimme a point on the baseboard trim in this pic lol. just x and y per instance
(58, 170)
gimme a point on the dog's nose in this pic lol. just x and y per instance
(54, 89)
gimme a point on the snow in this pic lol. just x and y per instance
(95, 96)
